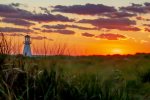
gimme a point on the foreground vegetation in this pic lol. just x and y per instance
(75, 78)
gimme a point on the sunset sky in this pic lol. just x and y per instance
(86, 27)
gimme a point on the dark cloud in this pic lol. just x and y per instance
(61, 26)
(37, 29)
(136, 5)
(110, 36)
(45, 10)
(137, 8)
(142, 18)
(47, 18)
(147, 19)
(88, 9)
(58, 26)
(17, 21)
(32, 37)
(147, 3)
(106, 21)
(15, 4)
(147, 25)
(147, 29)
(47, 31)
(12, 12)
(93, 9)
(10, 29)
(14, 34)
(123, 24)
(66, 32)
(80, 27)
(40, 38)
(87, 34)
(139, 18)
(119, 14)
(9, 11)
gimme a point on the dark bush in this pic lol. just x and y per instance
(145, 76)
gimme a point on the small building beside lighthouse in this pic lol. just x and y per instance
(27, 48)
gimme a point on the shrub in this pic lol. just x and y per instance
(145, 76)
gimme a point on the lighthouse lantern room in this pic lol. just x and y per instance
(27, 48)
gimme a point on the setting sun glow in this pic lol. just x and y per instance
(117, 51)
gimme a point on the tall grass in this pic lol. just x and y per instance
(55, 85)
(29, 79)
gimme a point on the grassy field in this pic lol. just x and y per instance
(75, 77)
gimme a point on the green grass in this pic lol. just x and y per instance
(75, 78)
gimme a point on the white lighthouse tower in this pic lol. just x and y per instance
(27, 48)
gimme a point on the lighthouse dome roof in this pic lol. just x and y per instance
(27, 36)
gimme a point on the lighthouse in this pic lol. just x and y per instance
(27, 48)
